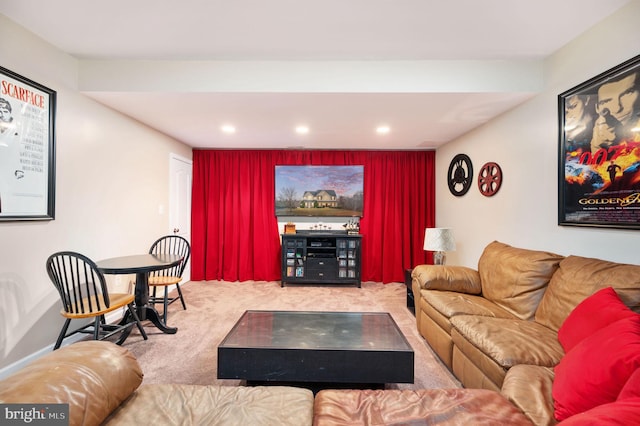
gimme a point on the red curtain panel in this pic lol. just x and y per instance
(235, 235)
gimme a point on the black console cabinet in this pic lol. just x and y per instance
(321, 257)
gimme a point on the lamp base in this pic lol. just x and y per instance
(439, 257)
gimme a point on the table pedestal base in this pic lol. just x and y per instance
(147, 313)
(150, 313)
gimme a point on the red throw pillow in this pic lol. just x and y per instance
(595, 312)
(625, 412)
(631, 389)
(596, 369)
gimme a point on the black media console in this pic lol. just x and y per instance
(310, 257)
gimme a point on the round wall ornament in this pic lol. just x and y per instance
(489, 179)
(460, 175)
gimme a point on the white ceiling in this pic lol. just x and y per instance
(431, 70)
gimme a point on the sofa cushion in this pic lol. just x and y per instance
(510, 342)
(424, 407)
(451, 303)
(173, 404)
(597, 311)
(625, 412)
(93, 377)
(595, 371)
(515, 278)
(579, 277)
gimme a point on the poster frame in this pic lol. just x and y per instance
(588, 195)
(24, 93)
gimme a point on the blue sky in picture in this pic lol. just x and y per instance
(345, 180)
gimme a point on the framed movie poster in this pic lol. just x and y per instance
(599, 150)
(27, 149)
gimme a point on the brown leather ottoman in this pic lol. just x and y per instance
(420, 407)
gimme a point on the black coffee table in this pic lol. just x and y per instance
(316, 347)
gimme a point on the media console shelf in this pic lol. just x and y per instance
(310, 257)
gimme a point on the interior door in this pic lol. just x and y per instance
(180, 170)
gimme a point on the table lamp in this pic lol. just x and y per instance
(439, 240)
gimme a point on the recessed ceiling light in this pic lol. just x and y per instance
(302, 130)
(383, 130)
(228, 128)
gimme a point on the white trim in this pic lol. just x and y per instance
(181, 158)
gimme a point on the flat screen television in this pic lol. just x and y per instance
(319, 190)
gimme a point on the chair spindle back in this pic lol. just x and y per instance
(78, 281)
(171, 244)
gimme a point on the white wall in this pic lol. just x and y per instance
(112, 174)
(524, 142)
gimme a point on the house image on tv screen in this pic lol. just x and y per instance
(321, 198)
(319, 190)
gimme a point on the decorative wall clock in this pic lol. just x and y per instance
(489, 179)
(460, 175)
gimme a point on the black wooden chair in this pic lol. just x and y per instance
(169, 244)
(84, 294)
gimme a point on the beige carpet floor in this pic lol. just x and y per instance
(213, 307)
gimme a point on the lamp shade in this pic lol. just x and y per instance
(439, 239)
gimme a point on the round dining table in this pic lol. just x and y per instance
(141, 265)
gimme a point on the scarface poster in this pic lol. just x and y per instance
(27, 154)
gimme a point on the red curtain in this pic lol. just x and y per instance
(235, 235)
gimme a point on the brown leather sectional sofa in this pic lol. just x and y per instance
(497, 327)
(101, 383)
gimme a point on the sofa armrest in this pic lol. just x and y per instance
(448, 278)
(93, 377)
(529, 387)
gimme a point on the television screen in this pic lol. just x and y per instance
(319, 190)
